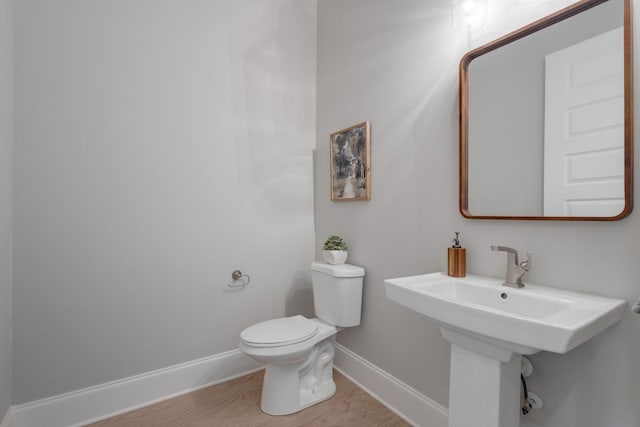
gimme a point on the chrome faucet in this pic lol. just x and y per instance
(515, 270)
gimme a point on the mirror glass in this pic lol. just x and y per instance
(545, 119)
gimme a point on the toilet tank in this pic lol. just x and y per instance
(337, 293)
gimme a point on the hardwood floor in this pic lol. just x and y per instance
(237, 403)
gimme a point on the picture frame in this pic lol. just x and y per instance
(350, 162)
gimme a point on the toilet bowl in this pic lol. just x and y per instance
(298, 374)
(297, 351)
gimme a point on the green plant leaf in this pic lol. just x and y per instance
(335, 243)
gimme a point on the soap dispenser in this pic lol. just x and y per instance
(457, 258)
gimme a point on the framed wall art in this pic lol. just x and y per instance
(351, 163)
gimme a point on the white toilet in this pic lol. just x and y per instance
(298, 351)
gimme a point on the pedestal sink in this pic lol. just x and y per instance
(490, 327)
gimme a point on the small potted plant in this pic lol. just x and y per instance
(335, 250)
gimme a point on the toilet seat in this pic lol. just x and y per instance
(279, 332)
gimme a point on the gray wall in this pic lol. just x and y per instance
(160, 144)
(6, 146)
(395, 64)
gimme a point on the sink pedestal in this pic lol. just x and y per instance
(484, 389)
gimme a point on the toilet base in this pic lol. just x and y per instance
(287, 389)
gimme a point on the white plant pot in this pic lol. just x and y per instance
(334, 257)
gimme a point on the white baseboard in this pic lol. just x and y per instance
(7, 421)
(416, 408)
(106, 400)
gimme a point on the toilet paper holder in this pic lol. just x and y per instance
(239, 280)
(636, 307)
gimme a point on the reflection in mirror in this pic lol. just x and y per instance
(545, 119)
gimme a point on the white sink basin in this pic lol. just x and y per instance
(524, 320)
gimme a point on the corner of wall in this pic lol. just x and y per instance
(6, 207)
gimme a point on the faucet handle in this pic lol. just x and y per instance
(526, 265)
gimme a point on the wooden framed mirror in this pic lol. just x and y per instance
(546, 119)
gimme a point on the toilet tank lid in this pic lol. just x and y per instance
(338, 270)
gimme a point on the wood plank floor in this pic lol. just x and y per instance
(237, 403)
